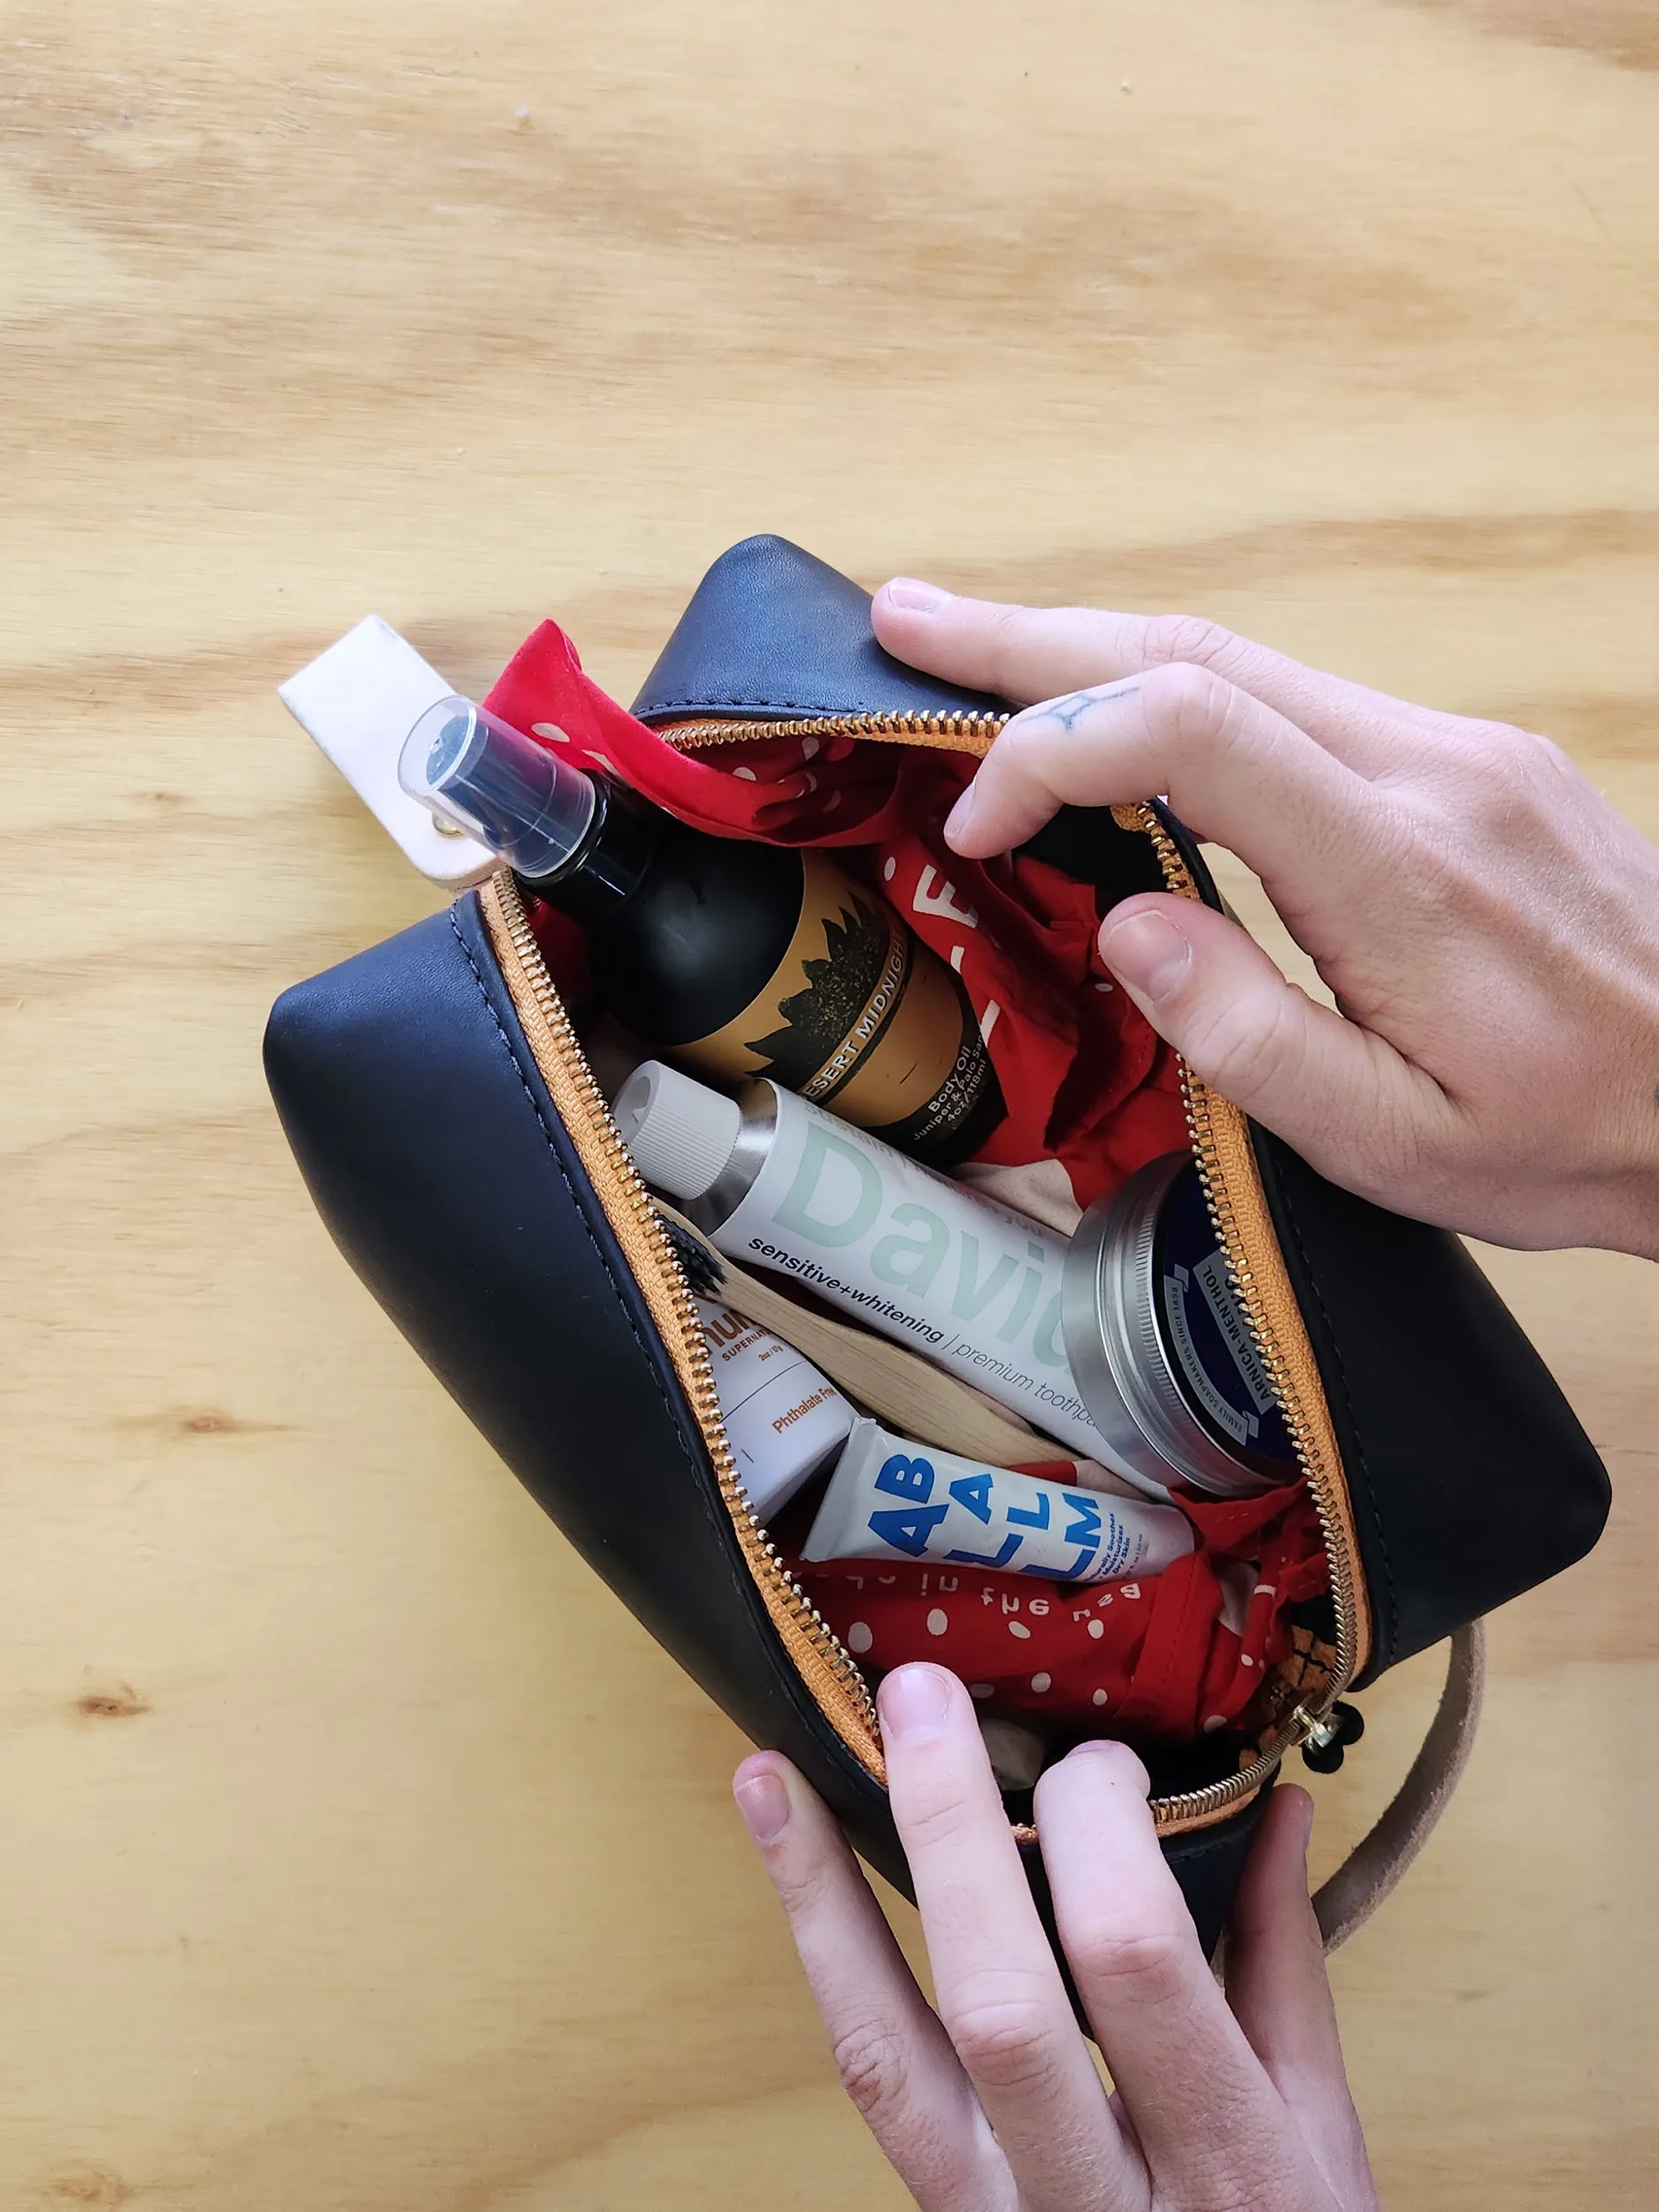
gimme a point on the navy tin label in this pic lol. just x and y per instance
(1209, 1339)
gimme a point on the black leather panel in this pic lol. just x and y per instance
(1470, 1477)
(431, 1149)
(772, 632)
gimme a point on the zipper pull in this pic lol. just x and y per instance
(359, 700)
(1327, 1740)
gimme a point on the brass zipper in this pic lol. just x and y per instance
(828, 1670)
(966, 731)
(1238, 1208)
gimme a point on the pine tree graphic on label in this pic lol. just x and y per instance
(859, 950)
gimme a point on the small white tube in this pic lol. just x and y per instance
(783, 1418)
(890, 1499)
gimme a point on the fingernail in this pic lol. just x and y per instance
(1148, 953)
(916, 597)
(1109, 1748)
(764, 1802)
(957, 820)
(913, 1702)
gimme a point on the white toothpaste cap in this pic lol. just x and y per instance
(681, 1133)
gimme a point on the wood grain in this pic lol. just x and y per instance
(359, 1853)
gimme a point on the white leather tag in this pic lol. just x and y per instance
(359, 701)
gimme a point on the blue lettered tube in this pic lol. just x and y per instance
(890, 1499)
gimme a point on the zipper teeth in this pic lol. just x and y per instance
(1307, 1453)
(942, 728)
(762, 1552)
(1310, 1454)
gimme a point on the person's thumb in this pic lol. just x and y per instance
(1344, 1097)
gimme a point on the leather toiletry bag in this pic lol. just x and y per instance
(438, 1097)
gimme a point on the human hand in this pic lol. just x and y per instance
(1234, 2103)
(1488, 925)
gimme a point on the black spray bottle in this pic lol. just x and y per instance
(738, 959)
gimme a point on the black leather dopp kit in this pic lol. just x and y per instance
(443, 1150)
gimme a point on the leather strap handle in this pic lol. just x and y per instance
(1375, 1866)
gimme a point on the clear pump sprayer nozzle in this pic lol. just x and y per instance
(519, 798)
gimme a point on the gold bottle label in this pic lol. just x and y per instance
(861, 1018)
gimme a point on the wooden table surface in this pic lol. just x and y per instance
(358, 1853)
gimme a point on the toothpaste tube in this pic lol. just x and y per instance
(783, 1419)
(943, 1269)
(889, 1497)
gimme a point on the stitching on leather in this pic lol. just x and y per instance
(552, 1146)
(795, 706)
(1359, 1449)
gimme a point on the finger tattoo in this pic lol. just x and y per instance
(1069, 712)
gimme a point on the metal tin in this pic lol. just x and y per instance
(1159, 1347)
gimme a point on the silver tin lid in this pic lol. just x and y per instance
(1119, 1358)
